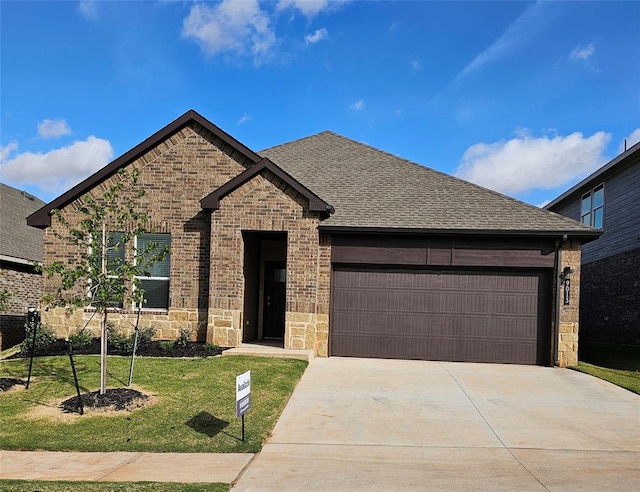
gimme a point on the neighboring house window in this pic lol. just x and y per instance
(592, 207)
(156, 280)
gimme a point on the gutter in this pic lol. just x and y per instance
(20, 261)
(585, 235)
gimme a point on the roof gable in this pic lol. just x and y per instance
(316, 204)
(42, 217)
(374, 190)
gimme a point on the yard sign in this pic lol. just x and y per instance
(243, 393)
(243, 396)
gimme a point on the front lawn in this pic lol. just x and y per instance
(192, 405)
(620, 366)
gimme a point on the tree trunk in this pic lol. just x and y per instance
(103, 324)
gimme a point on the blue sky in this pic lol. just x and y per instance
(522, 97)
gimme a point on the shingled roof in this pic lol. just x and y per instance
(372, 189)
(18, 242)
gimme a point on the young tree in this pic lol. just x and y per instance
(103, 274)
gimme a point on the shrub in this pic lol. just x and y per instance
(212, 346)
(45, 337)
(80, 339)
(184, 338)
(145, 336)
(118, 341)
(166, 345)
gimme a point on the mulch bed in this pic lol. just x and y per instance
(113, 399)
(154, 349)
(8, 383)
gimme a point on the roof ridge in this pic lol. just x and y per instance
(301, 139)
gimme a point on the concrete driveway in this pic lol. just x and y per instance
(364, 424)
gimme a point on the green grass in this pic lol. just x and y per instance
(620, 366)
(45, 486)
(193, 409)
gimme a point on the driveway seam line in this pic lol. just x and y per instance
(492, 429)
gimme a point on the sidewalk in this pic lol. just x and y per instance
(123, 466)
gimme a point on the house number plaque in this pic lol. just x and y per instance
(567, 289)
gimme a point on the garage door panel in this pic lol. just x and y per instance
(482, 317)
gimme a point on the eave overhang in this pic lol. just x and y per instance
(583, 236)
(42, 217)
(316, 204)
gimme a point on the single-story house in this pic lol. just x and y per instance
(20, 250)
(609, 199)
(328, 244)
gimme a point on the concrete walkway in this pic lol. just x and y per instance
(123, 467)
(358, 424)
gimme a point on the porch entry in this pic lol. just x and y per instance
(265, 292)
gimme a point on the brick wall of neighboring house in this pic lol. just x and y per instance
(25, 287)
(610, 300)
(176, 174)
(265, 203)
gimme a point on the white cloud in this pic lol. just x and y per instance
(416, 66)
(317, 36)
(58, 169)
(310, 8)
(582, 52)
(88, 9)
(234, 27)
(7, 149)
(524, 27)
(526, 162)
(358, 105)
(244, 118)
(632, 139)
(53, 128)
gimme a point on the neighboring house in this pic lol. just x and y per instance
(20, 247)
(331, 245)
(609, 199)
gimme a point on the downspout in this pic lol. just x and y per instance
(556, 334)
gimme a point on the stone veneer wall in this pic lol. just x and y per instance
(569, 321)
(175, 174)
(265, 203)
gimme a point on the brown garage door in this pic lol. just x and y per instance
(441, 315)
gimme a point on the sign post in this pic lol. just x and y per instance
(243, 396)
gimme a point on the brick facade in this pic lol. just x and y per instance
(25, 287)
(265, 203)
(214, 264)
(207, 249)
(610, 300)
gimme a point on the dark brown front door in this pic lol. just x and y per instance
(275, 291)
(492, 316)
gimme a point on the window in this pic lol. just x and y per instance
(155, 280)
(115, 260)
(592, 207)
